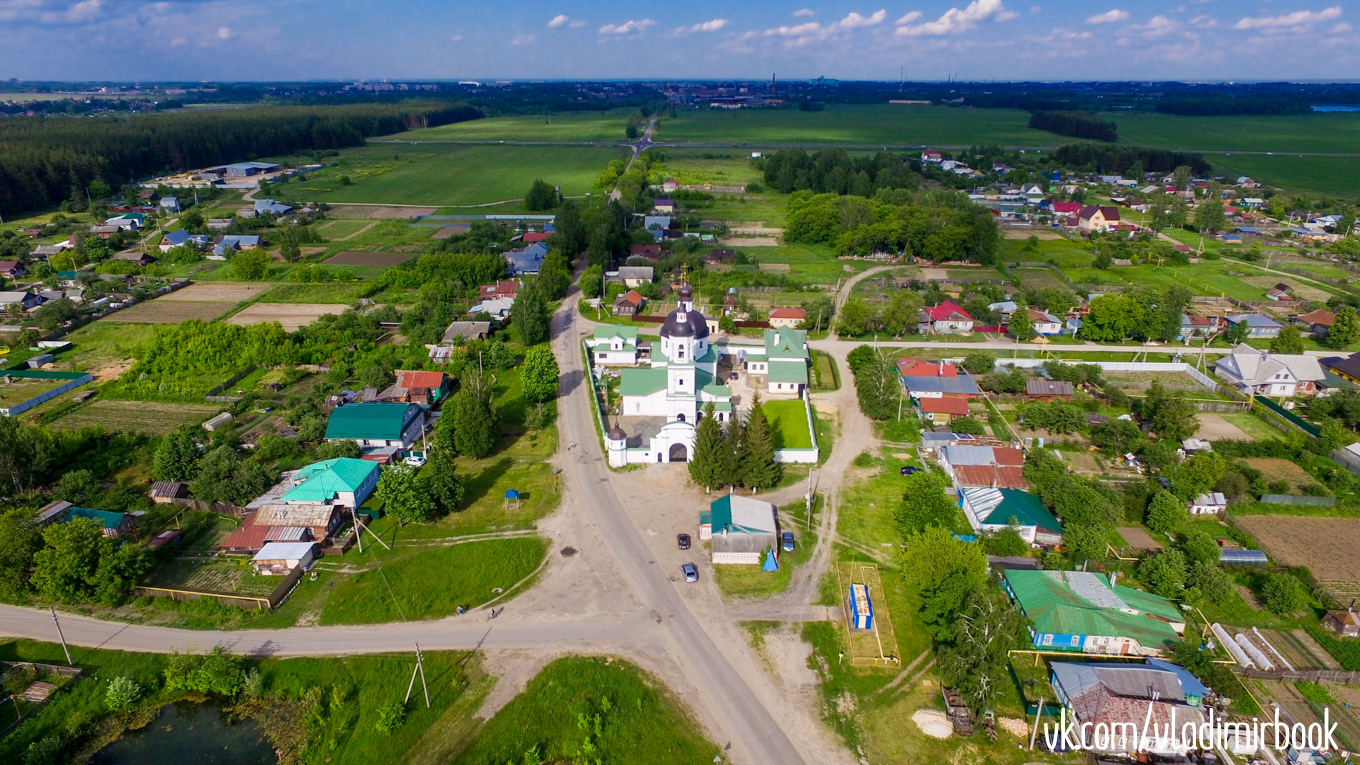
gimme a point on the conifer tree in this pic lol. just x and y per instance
(708, 466)
(734, 446)
(759, 470)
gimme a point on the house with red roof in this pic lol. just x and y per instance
(428, 388)
(529, 237)
(914, 367)
(504, 289)
(941, 411)
(947, 318)
(787, 317)
(1066, 208)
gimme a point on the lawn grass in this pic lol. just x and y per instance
(401, 589)
(722, 167)
(639, 719)
(101, 344)
(862, 124)
(1252, 426)
(340, 228)
(344, 730)
(788, 421)
(738, 581)
(560, 126)
(443, 175)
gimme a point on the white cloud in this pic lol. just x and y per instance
(224, 33)
(1288, 20)
(523, 40)
(709, 26)
(812, 31)
(178, 41)
(1158, 26)
(627, 28)
(456, 38)
(577, 24)
(954, 20)
(907, 19)
(804, 12)
(855, 20)
(560, 20)
(1341, 28)
(80, 13)
(1108, 17)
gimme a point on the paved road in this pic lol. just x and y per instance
(752, 724)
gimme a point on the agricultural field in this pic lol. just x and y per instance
(1317, 132)
(725, 167)
(146, 417)
(562, 126)
(450, 175)
(290, 315)
(344, 293)
(1327, 175)
(233, 292)
(380, 259)
(162, 311)
(856, 124)
(340, 229)
(1325, 545)
(227, 577)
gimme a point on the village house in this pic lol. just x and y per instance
(166, 492)
(628, 304)
(1262, 373)
(1257, 324)
(465, 330)
(377, 424)
(1344, 623)
(1085, 612)
(614, 346)
(1126, 699)
(1045, 323)
(1208, 503)
(497, 308)
(631, 276)
(741, 530)
(501, 289)
(959, 460)
(26, 301)
(947, 318)
(527, 260)
(1040, 389)
(648, 251)
(664, 204)
(991, 510)
(1280, 291)
(1316, 322)
(114, 524)
(784, 362)
(319, 520)
(424, 388)
(279, 558)
(941, 411)
(1093, 218)
(1005, 308)
(791, 318)
(12, 269)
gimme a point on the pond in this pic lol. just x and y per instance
(193, 733)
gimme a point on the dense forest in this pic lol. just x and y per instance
(1116, 159)
(934, 225)
(835, 172)
(44, 160)
(1217, 105)
(1076, 125)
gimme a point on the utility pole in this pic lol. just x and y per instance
(358, 532)
(62, 636)
(420, 667)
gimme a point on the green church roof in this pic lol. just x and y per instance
(321, 481)
(788, 372)
(642, 382)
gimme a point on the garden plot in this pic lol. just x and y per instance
(378, 211)
(1213, 427)
(146, 417)
(381, 259)
(1300, 289)
(1276, 469)
(291, 316)
(219, 577)
(162, 311)
(232, 292)
(1325, 545)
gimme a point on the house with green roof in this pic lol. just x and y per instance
(341, 481)
(614, 346)
(784, 361)
(113, 523)
(740, 529)
(377, 423)
(1085, 612)
(990, 510)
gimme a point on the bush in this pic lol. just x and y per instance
(123, 692)
(390, 717)
(218, 671)
(1284, 594)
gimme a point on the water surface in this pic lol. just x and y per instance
(190, 734)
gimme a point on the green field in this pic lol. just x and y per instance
(1332, 132)
(691, 167)
(867, 124)
(566, 126)
(1329, 175)
(788, 420)
(401, 589)
(450, 175)
(638, 720)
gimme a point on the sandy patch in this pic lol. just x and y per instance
(1139, 539)
(379, 211)
(290, 315)
(934, 274)
(933, 723)
(758, 231)
(1214, 427)
(749, 242)
(233, 292)
(1016, 233)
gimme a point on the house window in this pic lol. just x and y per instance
(1048, 640)
(1076, 640)
(681, 382)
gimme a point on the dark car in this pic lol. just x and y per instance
(734, 375)
(909, 469)
(691, 572)
(682, 540)
(787, 539)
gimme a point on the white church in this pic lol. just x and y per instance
(681, 381)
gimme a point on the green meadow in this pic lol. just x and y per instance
(450, 175)
(566, 126)
(857, 124)
(1337, 132)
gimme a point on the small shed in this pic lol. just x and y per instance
(1344, 623)
(278, 558)
(168, 537)
(53, 512)
(166, 492)
(861, 608)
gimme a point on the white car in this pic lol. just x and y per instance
(416, 460)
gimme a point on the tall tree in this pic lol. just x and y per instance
(1345, 329)
(1166, 512)
(707, 467)
(925, 504)
(24, 455)
(405, 495)
(1209, 216)
(65, 570)
(879, 388)
(177, 455)
(541, 196)
(539, 374)
(224, 477)
(19, 540)
(734, 449)
(976, 662)
(1289, 341)
(1022, 326)
(759, 470)
(570, 236)
(531, 315)
(947, 573)
(475, 422)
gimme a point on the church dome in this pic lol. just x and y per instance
(694, 325)
(616, 433)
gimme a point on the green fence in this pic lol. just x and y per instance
(1289, 417)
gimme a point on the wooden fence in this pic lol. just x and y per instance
(228, 599)
(70, 673)
(213, 396)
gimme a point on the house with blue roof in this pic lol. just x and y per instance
(170, 204)
(182, 239)
(527, 260)
(271, 207)
(1258, 325)
(231, 243)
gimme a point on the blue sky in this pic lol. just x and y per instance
(483, 39)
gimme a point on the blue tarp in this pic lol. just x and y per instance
(770, 563)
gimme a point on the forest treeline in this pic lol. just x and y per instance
(834, 171)
(1076, 125)
(1111, 160)
(1213, 106)
(46, 160)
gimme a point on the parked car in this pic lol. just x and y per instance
(909, 469)
(416, 460)
(787, 539)
(691, 572)
(734, 375)
(682, 540)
